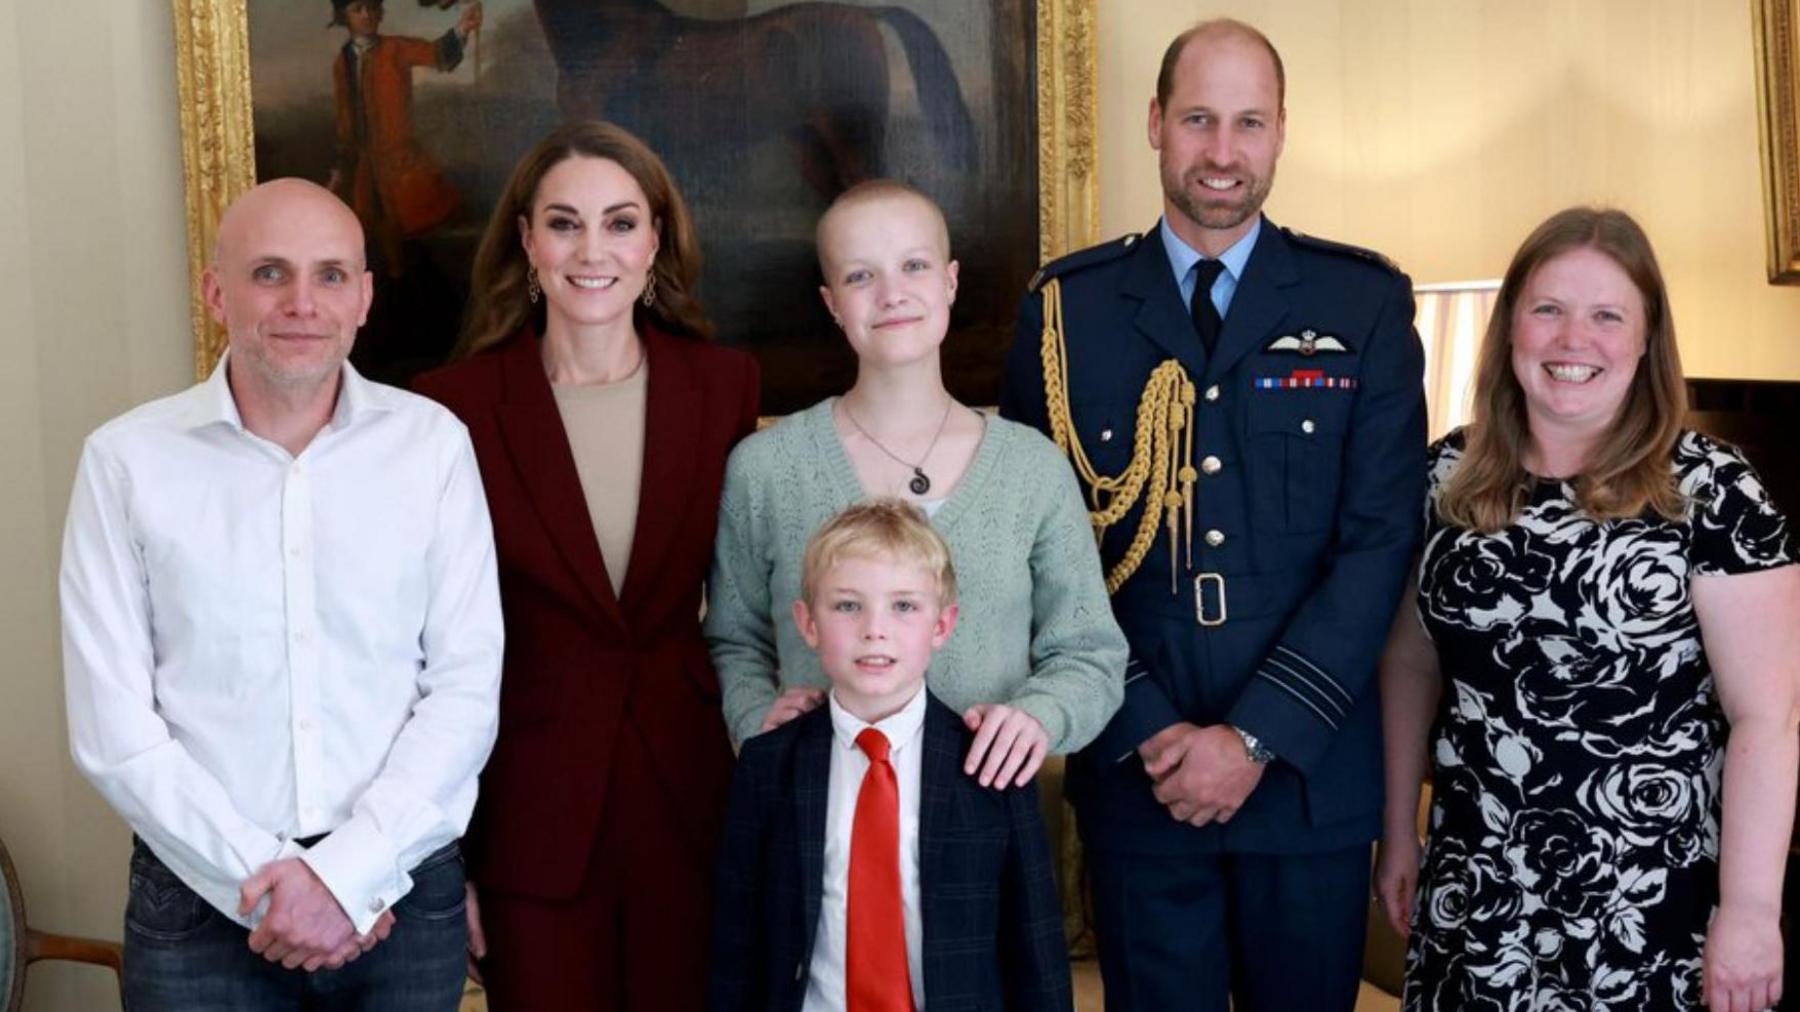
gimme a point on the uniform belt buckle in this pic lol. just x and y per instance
(1200, 599)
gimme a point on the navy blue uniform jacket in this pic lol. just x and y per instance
(993, 936)
(1307, 515)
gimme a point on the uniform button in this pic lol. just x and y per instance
(1106, 435)
(1215, 537)
(1307, 426)
(1210, 465)
(799, 971)
(1212, 392)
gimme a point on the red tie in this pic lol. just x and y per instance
(875, 974)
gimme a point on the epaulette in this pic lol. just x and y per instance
(1083, 258)
(1342, 249)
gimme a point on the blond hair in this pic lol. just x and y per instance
(867, 192)
(890, 529)
(1630, 469)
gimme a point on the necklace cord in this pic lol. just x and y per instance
(921, 482)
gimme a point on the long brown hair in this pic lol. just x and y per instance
(1629, 471)
(498, 306)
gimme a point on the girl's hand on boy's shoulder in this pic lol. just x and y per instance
(791, 704)
(1009, 745)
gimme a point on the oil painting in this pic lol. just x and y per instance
(414, 111)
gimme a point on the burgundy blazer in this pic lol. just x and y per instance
(581, 662)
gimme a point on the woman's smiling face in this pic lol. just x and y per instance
(1578, 334)
(592, 239)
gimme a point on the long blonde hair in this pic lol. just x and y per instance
(498, 306)
(1629, 471)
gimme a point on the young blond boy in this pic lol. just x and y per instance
(862, 869)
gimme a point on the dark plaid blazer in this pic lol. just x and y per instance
(993, 936)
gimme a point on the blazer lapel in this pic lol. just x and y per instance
(674, 415)
(812, 787)
(539, 447)
(1260, 302)
(1161, 318)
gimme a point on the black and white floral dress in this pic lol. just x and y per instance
(1572, 860)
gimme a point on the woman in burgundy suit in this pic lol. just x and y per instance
(602, 417)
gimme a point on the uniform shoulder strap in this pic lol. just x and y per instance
(1083, 258)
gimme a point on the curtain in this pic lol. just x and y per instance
(1451, 320)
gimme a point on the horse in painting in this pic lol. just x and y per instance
(815, 74)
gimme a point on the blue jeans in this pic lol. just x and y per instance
(181, 955)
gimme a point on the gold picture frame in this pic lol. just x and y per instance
(1773, 23)
(218, 133)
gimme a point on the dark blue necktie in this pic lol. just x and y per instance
(1206, 315)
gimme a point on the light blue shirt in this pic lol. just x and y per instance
(1183, 259)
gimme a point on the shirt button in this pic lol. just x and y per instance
(1307, 426)
(377, 905)
(1212, 392)
(305, 724)
(298, 468)
(1215, 537)
(299, 636)
(1210, 465)
(294, 552)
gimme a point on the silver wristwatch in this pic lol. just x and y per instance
(1254, 748)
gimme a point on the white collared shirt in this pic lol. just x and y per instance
(905, 732)
(260, 647)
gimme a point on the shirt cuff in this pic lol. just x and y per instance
(360, 868)
(1146, 711)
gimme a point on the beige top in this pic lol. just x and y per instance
(605, 423)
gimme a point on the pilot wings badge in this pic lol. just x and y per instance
(1308, 342)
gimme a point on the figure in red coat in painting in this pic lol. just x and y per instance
(382, 172)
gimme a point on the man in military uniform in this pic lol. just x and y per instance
(1244, 407)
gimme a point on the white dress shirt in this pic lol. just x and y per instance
(260, 647)
(905, 732)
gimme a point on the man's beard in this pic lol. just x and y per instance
(1215, 215)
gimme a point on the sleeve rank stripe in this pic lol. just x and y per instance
(1334, 684)
(1296, 679)
(1283, 686)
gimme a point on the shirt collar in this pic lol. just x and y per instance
(1182, 257)
(357, 397)
(901, 727)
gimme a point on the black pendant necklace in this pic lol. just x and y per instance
(920, 483)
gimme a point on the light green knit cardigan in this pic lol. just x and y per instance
(1036, 629)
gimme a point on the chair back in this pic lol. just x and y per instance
(12, 935)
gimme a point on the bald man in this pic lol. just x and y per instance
(281, 641)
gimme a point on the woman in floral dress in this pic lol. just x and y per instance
(1604, 601)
